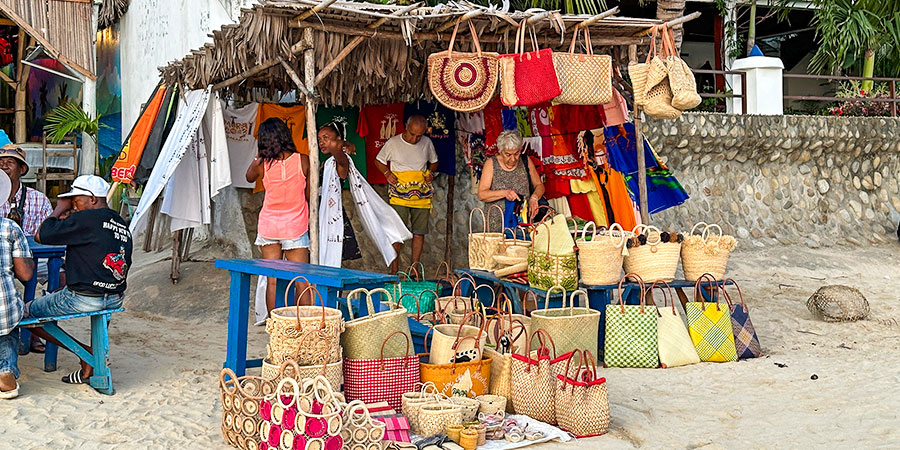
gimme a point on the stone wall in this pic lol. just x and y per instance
(809, 180)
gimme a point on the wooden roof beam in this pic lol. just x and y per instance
(295, 49)
(597, 18)
(467, 16)
(671, 24)
(314, 10)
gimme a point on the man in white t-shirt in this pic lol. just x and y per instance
(408, 161)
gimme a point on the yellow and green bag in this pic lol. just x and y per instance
(709, 325)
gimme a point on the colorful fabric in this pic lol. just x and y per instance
(349, 117)
(663, 190)
(621, 148)
(411, 190)
(631, 336)
(37, 208)
(12, 245)
(126, 164)
(377, 124)
(441, 125)
(616, 199)
(523, 123)
(396, 428)
(293, 116)
(510, 122)
(710, 327)
(493, 125)
(615, 111)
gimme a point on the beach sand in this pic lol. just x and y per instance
(820, 385)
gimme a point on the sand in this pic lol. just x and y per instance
(821, 385)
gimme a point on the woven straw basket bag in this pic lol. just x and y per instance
(333, 372)
(585, 79)
(463, 81)
(240, 398)
(361, 332)
(706, 253)
(483, 245)
(410, 403)
(435, 416)
(601, 257)
(654, 261)
(287, 327)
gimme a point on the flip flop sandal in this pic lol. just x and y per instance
(535, 435)
(515, 436)
(10, 394)
(74, 378)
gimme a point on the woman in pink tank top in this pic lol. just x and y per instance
(283, 230)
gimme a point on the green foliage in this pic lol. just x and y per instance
(847, 29)
(69, 118)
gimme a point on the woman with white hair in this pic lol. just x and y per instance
(509, 177)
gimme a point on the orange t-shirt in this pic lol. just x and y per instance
(293, 116)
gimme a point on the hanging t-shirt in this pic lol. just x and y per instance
(441, 125)
(493, 125)
(293, 116)
(98, 249)
(509, 119)
(350, 118)
(621, 149)
(240, 124)
(377, 124)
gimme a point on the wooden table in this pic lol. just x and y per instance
(330, 281)
(598, 296)
(54, 255)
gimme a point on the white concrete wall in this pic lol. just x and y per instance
(155, 32)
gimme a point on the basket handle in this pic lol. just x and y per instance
(622, 242)
(584, 296)
(584, 230)
(406, 361)
(525, 299)
(481, 211)
(224, 384)
(493, 303)
(540, 333)
(456, 345)
(589, 368)
(706, 234)
(279, 392)
(698, 285)
(390, 301)
(350, 296)
(412, 270)
(446, 266)
(456, 289)
(425, 341)
(549, 291)
(698, 224)
(418, 312)
(640, 282)
(316, 291)
(649, 229)
(740, 292)
(288, 290)
(355, 409)
(490, 210)
(667, 293)
(580, 353)
(540, 207)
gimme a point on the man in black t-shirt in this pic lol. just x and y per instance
(98, 256)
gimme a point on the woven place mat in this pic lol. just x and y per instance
(553, 434)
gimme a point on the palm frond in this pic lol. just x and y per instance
(70, 118)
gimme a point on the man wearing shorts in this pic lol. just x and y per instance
(408, 161)
(98, 256)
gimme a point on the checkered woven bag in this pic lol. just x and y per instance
(383, 379)
(631, 332)
(710, 327)
(746, 342)
(582, 404)
(532, 384)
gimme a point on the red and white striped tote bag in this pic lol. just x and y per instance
(382, 380)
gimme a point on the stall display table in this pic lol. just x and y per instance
(598, 296)
(330, 281)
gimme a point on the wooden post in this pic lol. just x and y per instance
(176, 256)
(448, 255)
(642, 165)
(21, 131)
(309, 73)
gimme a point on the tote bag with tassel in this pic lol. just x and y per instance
(709, 324)
(533, 73)
(674, 342)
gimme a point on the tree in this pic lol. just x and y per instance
(69, 118)
(667, 10)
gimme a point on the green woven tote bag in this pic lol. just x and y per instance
(631, 332)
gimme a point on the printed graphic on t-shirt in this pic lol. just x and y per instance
(116, 264)
(388, 128)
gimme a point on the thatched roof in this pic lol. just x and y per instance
(63, 27)
(110, 13)
(389, 65)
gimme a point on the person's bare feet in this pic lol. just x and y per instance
(7, 382)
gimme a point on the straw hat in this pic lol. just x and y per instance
(15, 152)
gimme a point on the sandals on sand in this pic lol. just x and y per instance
(9, 395)
(74, 378)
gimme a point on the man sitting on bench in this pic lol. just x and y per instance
(98, 255)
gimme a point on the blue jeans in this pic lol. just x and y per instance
(64, 302)
(9, 353)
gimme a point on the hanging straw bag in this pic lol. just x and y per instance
(638, 73)
(681, 78)
(533, 73)
(484, 245)
(631, 332)
(746, 341)
(363, 331)
(706, 253)
(601, 257)
(463, 81)
(447, 344)
(434, 417)
(584, 79)
(332, 371)
(360, 430)
(554, 265)
(710, 327)
(674, 342)
(582, 403)
(240, 398)
(382, 379)
(572, 328)
(658, 93)
(654, 261)
(288, 325)
(307, 415)
(533, 385)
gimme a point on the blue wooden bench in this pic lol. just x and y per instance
(54, 255)
(102, 379)
(330, 281)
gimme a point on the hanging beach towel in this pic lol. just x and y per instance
(463, 81)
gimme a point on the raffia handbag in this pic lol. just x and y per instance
(483, 245)
(463, 81)
(501, 362)
(533, 72)
(382, 379)
(240, 398)
(681, 78)
(454, 303)
(412, 401)
(552, 260)
(706, 253)
(657, 91)
(423, 291)
(302, 415)
(447, 343)
(631, 332)
(571, 327)
(361, 431)
(654, 261)
(584, 79)
(746, 342)
(638, 72)
(332, 371)
(709, 325)
(674, 342)
(361, 332)
(288, 325)
(435, 416)
(601, 257)
(467, 377)
(532, 385)
(582, 403)
(499, 327)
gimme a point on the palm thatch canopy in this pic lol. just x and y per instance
(260, 51)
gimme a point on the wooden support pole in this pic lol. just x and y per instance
(21, 131)
(309, 72)
(590, 21)
(642, 166)
(8, 80)
(295, 78)
(295, 49)
(315, 9)
(671, 24)
(176, 256)
(469, 15)
(355, 43)
(448, 242)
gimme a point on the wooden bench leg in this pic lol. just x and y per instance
(102, 378)
(24, 341)
(50, 354)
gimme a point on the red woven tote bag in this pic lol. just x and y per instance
(535, 75)
(382, 380)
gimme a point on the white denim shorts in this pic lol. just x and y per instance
(286, 244)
